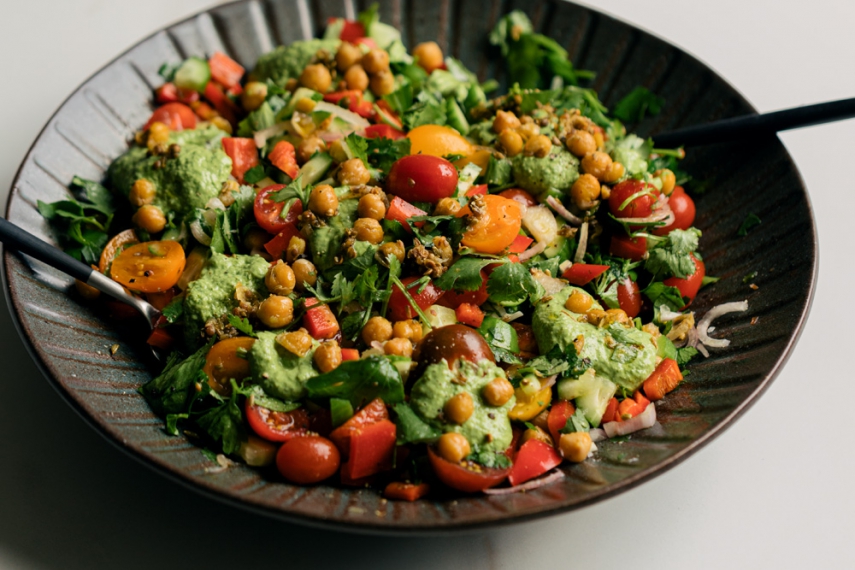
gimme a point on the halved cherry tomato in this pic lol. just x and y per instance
(684, 212)
(496, 228)
(452, 343)
(664, 379)
(629, 298)
(690, 285)
(268, 213)
(520, 196)
(383, 131)
(400, 308)
(400, 211)
(477, 190)
(627, 247)
(406, 491)
(222, 363)
(224, 70)
(284, 157)
(321, 322)
(276, 426)
(351, 30)
(559, 413)
(307, 460)
(580, 274)
(436, 140)
(461, 478)
(639, 207)
(533, 460)
(176, 116)
(224, 106)
(277, 246)
(169, 93)
(373, 412)
(453, 299)
(422, 178)
(469, 314)
(243, 153)
(525, 337)
(371, 450)
(114, 246)
(149, 267)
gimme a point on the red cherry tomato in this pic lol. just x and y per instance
(453, 299)
(276, 426)
(521, 197)
(689, 286)
(640, 207)
(268, 212)
(580, 274)
(176, 116)
(422, 178)
(629, 248)
(463, 479)
(399, 306)
(629, 297)
(307, 460)
(684, 212)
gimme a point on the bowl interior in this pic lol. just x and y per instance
(72, 343)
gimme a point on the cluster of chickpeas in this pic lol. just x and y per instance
(327, 356)
(277, 310)
(360, 71)
(520, 135)
(397, 339)
(581, 303)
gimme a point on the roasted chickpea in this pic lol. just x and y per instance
(459, 408)
(316, 76)
(323, 201)
(150, 218)
(605, 192)
(375, 61)
(617, 316)
(584, 191)
(453, 447)
(158, 133)
(305, 273)
(253, 96)
(297, 342)
(668, 179)
(347, 56)
(528, 129)
(408, 330)
(296, 248)
(505, 120)
(539, 434)
(597, 164)
(398, 347)
(222, 124)
(354, 173)
(575, 446)
(142, 193)
(511, 142)
(615, 173)
(368, 229)
(599, 138)
(337, 151)
(539, 146)
(579, 302)
(308, 147)
(280, 279)
(88, 292)
(395, 248)
(382, 83)
(276, 311)
(376, 329)
(498, 392)
(595, 316)
(428, 55)
(581, 143)
(371, 206)
(327, 356)
(356, 78)
(447, 207)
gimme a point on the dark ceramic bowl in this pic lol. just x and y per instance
(71, 343)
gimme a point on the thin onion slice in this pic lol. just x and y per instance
(665, 215)
(597, 434)
(344, 114)
(215, 204)
(643, 420)
(537, 248)
(559, 208)
(548, 382)
(552, 477)
(666, 314)
(714, 313)
(199, 233)
(261, 137)
(583, 243)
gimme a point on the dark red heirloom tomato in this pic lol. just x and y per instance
(639, 207)
(690, 285)
(453, 342)
(268, 213)
(308, 459)
(684, 212)
(422, 178)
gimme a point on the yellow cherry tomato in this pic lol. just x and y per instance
(479, 156)
(436, 140)
(149, 267)
(528, 407)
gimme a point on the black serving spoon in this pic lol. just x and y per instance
(751, 126)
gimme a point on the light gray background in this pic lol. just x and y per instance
(774, 491)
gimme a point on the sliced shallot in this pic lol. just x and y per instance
(714, 313)
(583, 243)
(597, 434)
(559, 208)
(643, 420)
(532, 251)
(199, 233)
(552, 477)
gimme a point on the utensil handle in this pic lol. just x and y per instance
(15, 237)
(755, 125)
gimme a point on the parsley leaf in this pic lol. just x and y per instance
(169, 392)
(511, 284)
(489, 459)
(427, 111)
(383, 153)
(685, 354)
(576, 423)
(672, 256)
(360, 381)
(565, 362)
(224, 424)
(241, 324)
(639, 103)
(358, 146)
(464, 275)
(661, 294)
(254, 174)
(750, 221)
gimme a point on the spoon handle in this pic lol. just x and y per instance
(749, 126)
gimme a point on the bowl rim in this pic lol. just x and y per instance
(362, 527)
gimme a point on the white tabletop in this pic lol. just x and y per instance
(773, 491)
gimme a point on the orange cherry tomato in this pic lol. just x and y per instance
(149, 267)
(223, 363)
(113, 247)
(497, 228)
(436, 140)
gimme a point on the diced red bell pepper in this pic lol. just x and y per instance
(169, 93)
(477, 190)
(520, 243)
(580, 274)
(631, 407)
(235, 90)
(533, 460)
(383, 113)
(373, 412)
(399, 306)
(559, 413)
(160, 338)
(277, 246)
(224, 70)
(320, 322)
(611, 411)
(371, 449)
(284, 157)
(224, 106)
(453, 299)
(469, 314)
(351, 30)
(400, 211)
(355, 102)
(204, 111)
(406, 491)
(664, 379)
(627, 247)
(383, 131)
(243, 153)
(349, 354)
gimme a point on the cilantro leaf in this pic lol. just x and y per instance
(661, 294)
(254, 174)
(489, 459)
(637, 104)
(750, 221)
(464, 275)
(241, 324)
(576, 423)
(426, 111)
(224, 424)
(564, 362)
(383, 153)
(511, 284)
(685, 354)
(358, 146)
(672, 256)
(96, 194)
(261, 398)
